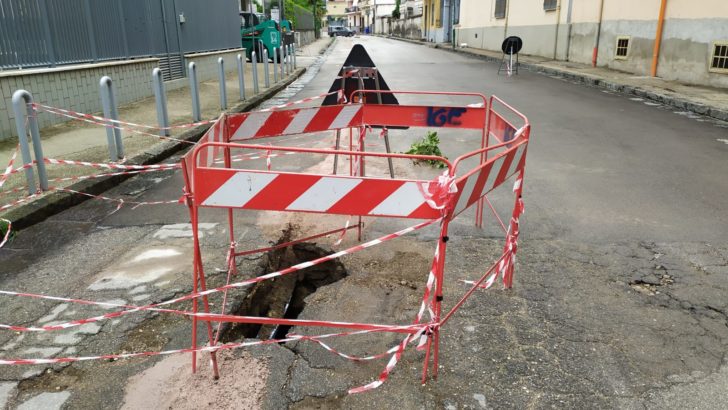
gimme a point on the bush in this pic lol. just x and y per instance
(429, 145)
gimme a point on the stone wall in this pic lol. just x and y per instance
(73, 87)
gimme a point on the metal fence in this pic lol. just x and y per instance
(36, 33)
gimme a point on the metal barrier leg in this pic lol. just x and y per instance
(336, 147)
(241, 76)
(254, 62)
(160, 95)
(194, 92)
(389, 159)
(105, 92)
(22, 107)
(199, 277)
(221, 77)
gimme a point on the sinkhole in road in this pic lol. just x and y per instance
(283, 297)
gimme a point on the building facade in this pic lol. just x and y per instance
(439, 17)
(335, 13)
(618, 34)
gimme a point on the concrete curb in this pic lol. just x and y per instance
(598, 82)
(55, 202)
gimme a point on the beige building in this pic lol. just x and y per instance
(618, 34)
(335, 13)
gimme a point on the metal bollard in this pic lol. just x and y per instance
(160, 95)
(22, 107)
(221, 77)
(275, 63)
(113, 133)
(266, 68)
(293, 47)
(290, 58)
(194, 92)
(283, 58)
(241, 76)
(254, 61)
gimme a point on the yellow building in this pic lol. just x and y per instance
(335, 13)
(619, 34)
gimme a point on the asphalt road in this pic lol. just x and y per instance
(620, 291)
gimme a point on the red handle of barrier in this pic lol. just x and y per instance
(517, 141)
(199, 147)
(461, 94)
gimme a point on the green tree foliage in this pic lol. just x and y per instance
(395, 12)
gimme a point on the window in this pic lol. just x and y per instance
(719, 58)
(500, 9)
(550, 5)
(622, 48)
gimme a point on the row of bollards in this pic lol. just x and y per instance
(284, 62)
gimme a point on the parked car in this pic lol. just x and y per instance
(341, 31)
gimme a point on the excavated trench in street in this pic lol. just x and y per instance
(282, 297)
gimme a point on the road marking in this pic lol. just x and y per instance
(723, 140)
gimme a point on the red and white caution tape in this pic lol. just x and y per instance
(8, 227)
(9, 168)
(80, 115)
(156, 307)
(203, 349)
(18, 202)
(422, 334)
(109, 123)
(111, 165)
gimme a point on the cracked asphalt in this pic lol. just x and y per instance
(620, 297)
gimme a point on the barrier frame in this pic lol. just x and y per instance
(496, 164)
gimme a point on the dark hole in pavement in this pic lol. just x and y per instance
(284, 296)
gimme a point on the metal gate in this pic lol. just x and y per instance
(37, 33)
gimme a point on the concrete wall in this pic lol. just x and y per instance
(207, 62)
(406, 28)
(305, 37)
(570, 32)
(73, 87)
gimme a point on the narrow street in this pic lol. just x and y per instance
(619, 298)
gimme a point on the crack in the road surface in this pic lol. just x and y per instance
(285, 296)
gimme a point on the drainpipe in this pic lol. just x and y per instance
(658, 38)
(558, 21)
(505, 28)
(568, 32)
(599, 32)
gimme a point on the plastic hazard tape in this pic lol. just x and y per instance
(18, 202)
(109, 123)
(156, 307)
(9, 168)
(53, 161)
(203, 349)
(85, 177)
(104, 120)
(6, 236)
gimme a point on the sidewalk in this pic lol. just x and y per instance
(708, 101)
(81, 141)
